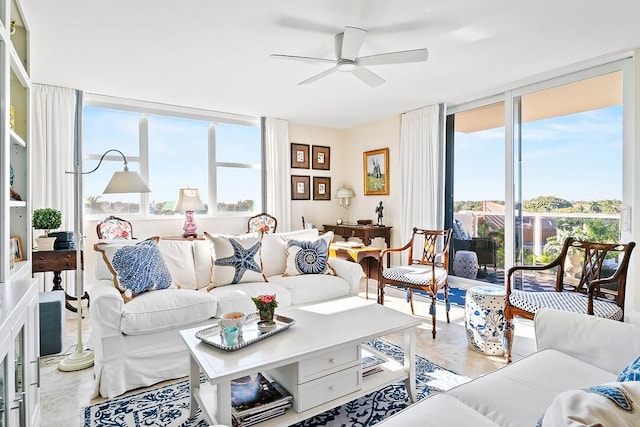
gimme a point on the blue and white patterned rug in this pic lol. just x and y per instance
(169, 405)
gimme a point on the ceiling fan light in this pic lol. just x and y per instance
(346, 65)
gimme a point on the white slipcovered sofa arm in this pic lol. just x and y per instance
(608, 344)
(349, 271)
(106, 308)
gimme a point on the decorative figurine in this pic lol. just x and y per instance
(379, 212)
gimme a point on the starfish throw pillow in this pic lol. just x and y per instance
(236, 259)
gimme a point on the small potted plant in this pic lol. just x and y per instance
(266, 305)
(46, 219)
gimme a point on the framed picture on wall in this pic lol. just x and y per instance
(321, 188)
(299, 156)
(376, 172)
(300, 187)
(321, 157)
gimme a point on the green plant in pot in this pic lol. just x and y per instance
(46, 219)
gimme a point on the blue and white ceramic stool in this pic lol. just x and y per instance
(484, 319)
(465, 264)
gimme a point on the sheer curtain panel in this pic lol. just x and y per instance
(422, 165)
(277, 171)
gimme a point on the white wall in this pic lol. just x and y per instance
(319, 212)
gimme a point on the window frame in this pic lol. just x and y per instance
(213, 117)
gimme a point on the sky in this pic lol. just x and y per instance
(178, 155)
(558, 157)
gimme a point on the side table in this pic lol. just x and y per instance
(465, 264)
(57, 261)
(484, 319)
(368, 257)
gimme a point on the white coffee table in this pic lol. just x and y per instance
(317, 360)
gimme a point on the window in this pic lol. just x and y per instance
(173, 149)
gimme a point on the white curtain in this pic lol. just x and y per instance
(52, 152)
(277, 171)
(422, 165)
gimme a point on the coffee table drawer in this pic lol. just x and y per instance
(324, 389)
(328, 362)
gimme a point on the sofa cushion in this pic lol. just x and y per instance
(274, 249)
(238, 297)
(203, 261)
(310, 288)
(308, 256)
(518, 394)
(631, 372)
(136, 268)
(611, 404)
(171, 309)
(178, 255)
(236, 259)
(437, 410)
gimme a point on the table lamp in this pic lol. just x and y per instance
(344, 195)
(189, 201)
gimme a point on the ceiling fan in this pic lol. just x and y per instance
(347, 46)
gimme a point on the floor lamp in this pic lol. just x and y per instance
(121, 182)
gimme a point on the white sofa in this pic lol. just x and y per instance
(137, 344)
(574, 351)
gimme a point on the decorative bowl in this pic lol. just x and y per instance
(266, 325)
(232, 318)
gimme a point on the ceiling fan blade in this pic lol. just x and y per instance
(369, 77)
(352, 40)
(301, 58)
(319, 76)
(404, 56)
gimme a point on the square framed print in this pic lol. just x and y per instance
(300, 187)
(321, 188)
(299, 156)
(321, 157)
(376, 172)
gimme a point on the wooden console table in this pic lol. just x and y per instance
(363, 232)
(57, 261)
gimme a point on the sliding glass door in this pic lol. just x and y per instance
(523, 178)
(569, 168)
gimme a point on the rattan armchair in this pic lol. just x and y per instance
(426, 268)
(597, 289)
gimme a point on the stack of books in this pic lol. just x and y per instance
(371, 363)
(256, 398)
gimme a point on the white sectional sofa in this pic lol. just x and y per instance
(574, 351)
(137, 344)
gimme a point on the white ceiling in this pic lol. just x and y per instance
(214, 54)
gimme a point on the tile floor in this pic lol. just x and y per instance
(65, 394)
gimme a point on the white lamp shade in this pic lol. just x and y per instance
(189, 200)
(344, 192)
(126, 182)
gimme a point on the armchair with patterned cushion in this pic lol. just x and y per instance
(598, 289)
(262, 222)
(426, 268)
(114, 228)
(484, 247)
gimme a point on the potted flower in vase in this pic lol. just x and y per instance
(266, 305)
(46, 219)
